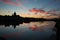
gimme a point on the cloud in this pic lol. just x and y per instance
(37, 10)
(33, 10)
(18, 3)
(14, 3)
(40, 10)
(55, 12)
(42, 13)
(52, 11)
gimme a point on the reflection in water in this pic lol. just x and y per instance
(34, 27)
(40, 25)
(28, 31)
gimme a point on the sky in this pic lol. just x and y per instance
(29, 7)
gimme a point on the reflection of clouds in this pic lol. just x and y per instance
(33, 27)
(42, 23)
(39, 25)
(42, 26)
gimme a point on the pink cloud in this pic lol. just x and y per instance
(52, 11)
(37, 10)
(40, 10)
(33, 10)
(18, 3)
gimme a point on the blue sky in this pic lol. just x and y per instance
(25, 5)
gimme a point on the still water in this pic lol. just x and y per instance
(29, 31)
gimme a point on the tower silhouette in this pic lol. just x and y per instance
(14, 14)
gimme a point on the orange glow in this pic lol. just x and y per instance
(40, 15)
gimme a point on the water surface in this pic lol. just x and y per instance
(29, 31)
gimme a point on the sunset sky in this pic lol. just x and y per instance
(29, 8)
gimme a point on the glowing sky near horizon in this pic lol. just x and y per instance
(26, 6)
